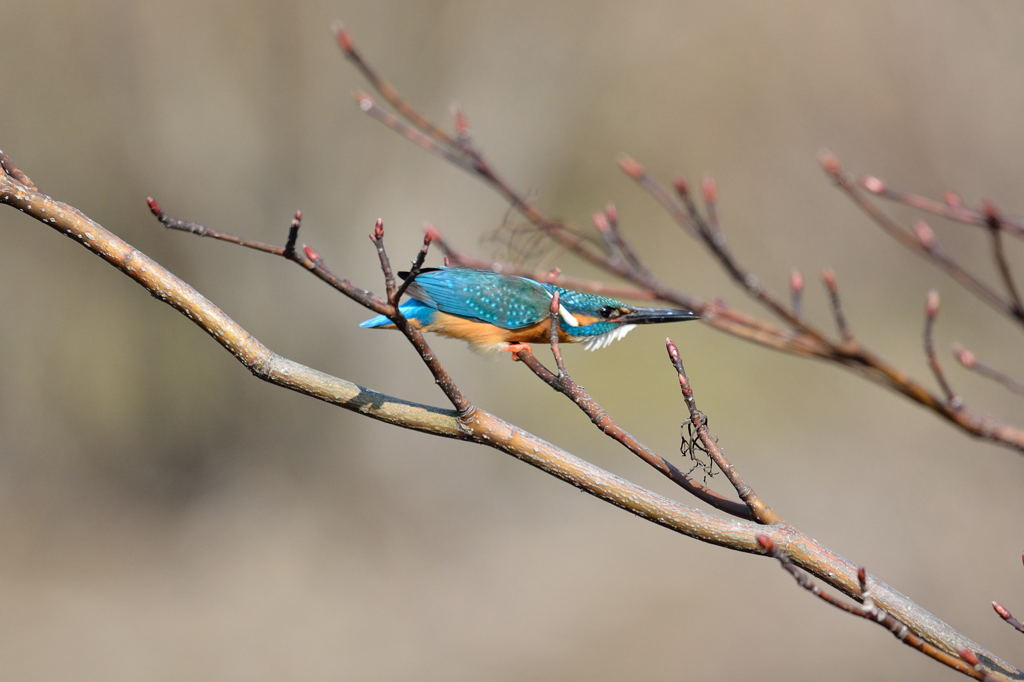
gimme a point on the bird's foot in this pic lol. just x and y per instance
(514, 349)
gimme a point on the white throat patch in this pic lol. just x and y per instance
(602, 340)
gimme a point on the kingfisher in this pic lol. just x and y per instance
(495, 312)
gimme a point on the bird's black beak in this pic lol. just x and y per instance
(656, 315)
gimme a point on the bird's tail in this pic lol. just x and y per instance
(412, 309)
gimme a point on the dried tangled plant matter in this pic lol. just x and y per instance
(745, 523)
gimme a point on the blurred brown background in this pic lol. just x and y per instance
(165, 516)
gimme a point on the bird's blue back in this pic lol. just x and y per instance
(502, 300)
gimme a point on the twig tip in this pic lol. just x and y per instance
(964, 356)
(363, 99)
(829, 162)
(709, 188)
(461, 121)
(342, 36)
(1001, 610)
(673, 350)
(796, 281)
(631, 167)
(612, 212)
(828, 276)
(931, 307)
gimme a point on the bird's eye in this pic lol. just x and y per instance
(609, 312)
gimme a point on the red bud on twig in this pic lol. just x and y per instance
(964, 356)
(630, 167)
(931, 308)
(969, 656)
(612, 212)
(872, 184)
(343, 38)
(830, 163)
(710, 189)
(925, 234)
(828, 276)
(796, 281)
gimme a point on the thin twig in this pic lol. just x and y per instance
(761, 511)
(203, 231)
(952, 207)
(567, 386)
(869, 611)
(556, 349)
(911, 242)
(995, 227)
(931, 311)
(311, 260)
(709, 188)
(688, 217)
(377, 239)
(828, 276)
(970, 361)
(1008, 617)
(796, 291)
(386, 90)
(417, 265)
(293, 235)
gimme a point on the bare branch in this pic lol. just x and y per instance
(473, 425)
(969, 360)
(995, 227)
(951, 207)
(931, 311)
(828, 276)
(1008, 617)
(761, 511)
(801, 339)
(912, 243)
(869, 611)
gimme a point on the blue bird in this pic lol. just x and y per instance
(495, 312)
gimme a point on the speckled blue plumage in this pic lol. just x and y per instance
(506, 301)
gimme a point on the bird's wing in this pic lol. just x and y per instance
(502, 300)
